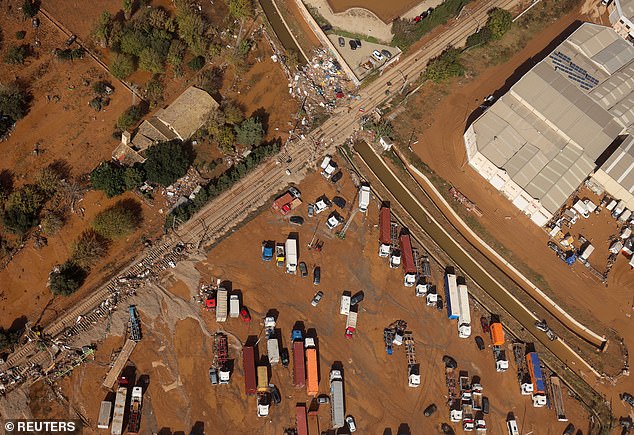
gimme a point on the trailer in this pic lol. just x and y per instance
(345, 304)
(364, 198)
(285, 203)
(385, 240)
(221, 306)
(299, 366)
(104, 415)
(119, 407)
(464, 317)
(477, 397)
(451, 296)
(313, 422)
(351, 322)
(336, 398)
(425, 267)
(409, 266)
(413, 368)
(248, 362)
(263, 379)
(312, 376)
(537, 379)
(273, 350)
(234, 306)
(300, 419)
(136, 403)
(558, 400)
(497, 333)
(291, 256)
(134, 323)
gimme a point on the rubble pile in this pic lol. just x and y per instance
(185, 187)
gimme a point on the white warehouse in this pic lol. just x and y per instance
(559, 124)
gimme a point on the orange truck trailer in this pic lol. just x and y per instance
(312, 376)
(497, 334)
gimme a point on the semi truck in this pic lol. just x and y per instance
(385, 239)
(119, 407)
(537, 379)
(264, 403)
(234, 306)
(291, 256)
(267, 251)
(299, 366)
(312, 376)
(248, 361)
(364, 198)
(395, 258)
(351, 323)
(300, 419)
(409, 267)
(221, 305)
(135, 410)
(464, 318)
(279, 254)
(104, 415)
(451, 296)
(336, 399)
(477, 396)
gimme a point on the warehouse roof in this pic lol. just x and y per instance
(620, 165)
(548, 131)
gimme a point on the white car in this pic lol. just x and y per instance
(351, 425)
(377, 55)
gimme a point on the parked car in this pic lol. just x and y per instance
(297, 220)
(450, 363)
(339, 201)
(358, 41)
(35, 22)
(70, 40)
(317, 298)
(317, 275)
(295, 193)
(275, 393)
(541, 325)
(213, 376)
(326, 27)
(386, 53)
(627, 398)
(311, 210)
(447, 429)
(570, 429)
(323, 399)
(244, 315)
(485, 405)
(353, 44)
(351, 425)
(342, 42)
(303, 270)
(336, 177)
(378, 56)
(284, 357)
(429, 411)
(439, 304)
(484, 322)
(479, 342)
(358, 297)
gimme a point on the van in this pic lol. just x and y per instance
(511, 425)
(581, 208)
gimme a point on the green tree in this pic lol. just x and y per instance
(109, 177)
(196, 63)
(8, 338)
(23, 208)
(157, 18)
(192, 30)
(176, 52)
(127, 8)
(20, 34)
(51, 223)
(47, 180)
(167, 162)
(226, 138)
(150, 60)
(130, 117)
(66, 279)
(154, 90)
(14, 101)
(445, 66)
(249, 132)
(133, 41)
(102, 32)
(233, 112)
(241, 8)
(88, 249)
(121, 65)
(499, 22)
(482, 36)
(117, 221)
(16, 54)
(30, 8)
(133, 177)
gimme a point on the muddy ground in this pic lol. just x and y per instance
(386, 11)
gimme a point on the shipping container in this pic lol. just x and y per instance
(234, 306)
(336, 398)
(385, 238)
(409, 267)
(248, 361)
(312, 376)
(464, 318)
(104, 415)
(300, 418)
(221, 306)
(497, 333)
(119, 410)
(299, 365)
(263, 378)
(451, 296)
(313, 423)
(273, 350)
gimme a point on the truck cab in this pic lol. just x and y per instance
(267, 251)
(395, 258)
(264, 403)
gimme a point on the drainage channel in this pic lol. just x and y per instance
(280, 29)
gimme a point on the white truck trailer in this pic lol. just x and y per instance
(464, 318)
(221, 306)
(273, 350)
(234, 306)
(291, 256)
(119, 410)
(345, 304)
(336, 397)
(104, 415)
(364, 198)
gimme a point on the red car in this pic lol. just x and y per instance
(244, 315)
(484, 322)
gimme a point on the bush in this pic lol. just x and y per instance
(134, 176)
(121, 65)
(69, 54)
(48, 180)
(16, 54)
(445, 66)
(102, 32)
(14, 101)
(66, 279)
(249, 132)
(21, 34)
(196, 63)
(109, 177)
(23, 208)
(130, 117)
(167, 162)
(8, 338)
(154, 91)
(30, 8)
(499, 22)
(118, 221)
(150, 60)
(481, 37)
(241, 8)
(51, 223)
(101, 87)
(88, 249)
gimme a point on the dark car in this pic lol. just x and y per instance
(429, 411)
(297, 220)
(336, 177)
(479, 342)
(342, 42)
(326, 27)
(386, 53)
(70, 40)
(353, 45)
(439, 304)
(358, 297)
(275, 393)
(323, 399)
(317, 275)
(358, 41)
(450, 363)
(339, 201)
(447, 429)
(303, 270)
(570, 429)
(485, 405)
(484, 322)
(627, 398)
(284, 356)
